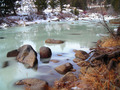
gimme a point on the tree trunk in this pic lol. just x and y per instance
(1, 14)
(11, 2)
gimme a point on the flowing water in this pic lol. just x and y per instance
(77, 35)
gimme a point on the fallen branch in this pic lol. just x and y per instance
(106, 56)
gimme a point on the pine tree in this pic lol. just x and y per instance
(81, 4)
(61, 3)
(6, 6)
(53, 4)
(41, 5)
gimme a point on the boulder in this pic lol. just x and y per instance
(53, 41)
(45, 52)
(83, 63)
(62, 69)
(81, 54)
(68, 77)
(12, 53)
(76, 60)
(33, 84)
(65, 81)
(27, 55)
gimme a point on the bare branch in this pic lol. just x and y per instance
(105, 24)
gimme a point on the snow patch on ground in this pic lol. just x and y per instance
(52, 15)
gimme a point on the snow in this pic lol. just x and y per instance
(27, 7)
(26, 15)
(75, 88)
(3, 25)
(51, 17)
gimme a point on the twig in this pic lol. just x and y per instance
(105, 24)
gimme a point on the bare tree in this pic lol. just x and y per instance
(103, 22)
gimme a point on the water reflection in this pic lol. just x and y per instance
(56, 28)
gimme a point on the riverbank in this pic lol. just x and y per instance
(100, 71)
(48, 16)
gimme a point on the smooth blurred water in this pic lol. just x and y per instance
(77, 35)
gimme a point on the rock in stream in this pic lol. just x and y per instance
(27, 55)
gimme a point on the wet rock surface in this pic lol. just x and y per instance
(1, 37)
(45, 52)
(68, 77)
(5, 64)
(62, 69)
(54, 61)
(13, 53)
(65, 81)
(33, 84)
(83, 63)
(81, 54)
(76, 60)
(53, 41)
(27, 56)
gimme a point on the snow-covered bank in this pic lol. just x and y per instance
(26, 15)
(52, 16)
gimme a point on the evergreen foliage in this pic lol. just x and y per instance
(7, 7)
(61, 3)
(53, 4)
(41, 5)
(75, 11)
(81, 4)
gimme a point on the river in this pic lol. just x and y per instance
(77, 35)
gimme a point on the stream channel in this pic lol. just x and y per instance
(77, 35)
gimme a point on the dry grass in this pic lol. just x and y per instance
(110, 42)
(94, 78)
(98, 77)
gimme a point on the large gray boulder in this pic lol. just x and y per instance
(33, 84)
(45, 52)
(27, 55)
